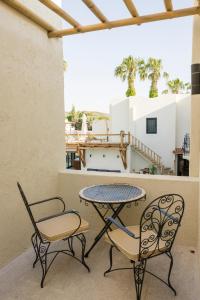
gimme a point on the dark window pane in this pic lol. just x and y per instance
(151, 125)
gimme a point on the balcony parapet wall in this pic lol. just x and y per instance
(70, 183)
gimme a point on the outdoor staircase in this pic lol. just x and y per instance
(149, 155)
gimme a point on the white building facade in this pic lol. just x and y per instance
(159, 123)
(171, 117)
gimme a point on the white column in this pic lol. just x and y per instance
(195, 105)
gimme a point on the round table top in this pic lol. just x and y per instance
(112, 193)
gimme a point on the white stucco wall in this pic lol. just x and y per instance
(101, 126)
(119, 112)
(106, 158)
(183, 118)
(163, 143)
(31, 121)
(138, 162)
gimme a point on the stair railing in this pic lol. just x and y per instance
(146, 151)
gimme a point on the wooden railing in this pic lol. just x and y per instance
(146, 151)
(98, 137)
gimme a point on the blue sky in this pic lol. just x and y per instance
(92, 57)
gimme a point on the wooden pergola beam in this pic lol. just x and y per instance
(168, 5)
(123, 157)
(95, 10)
(81, 153)
(131, 7)
(28, 13)
(131, 21)
(59, 11)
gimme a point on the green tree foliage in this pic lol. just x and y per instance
(164, 92)
(176, 86)
(127, 71)
(150, 69)
(153, 68)
(187, 87)
(76, 118)
(65, 65)
(142, 69)
(152, 170)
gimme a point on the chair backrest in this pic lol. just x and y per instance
(159, 225)
(28, 209)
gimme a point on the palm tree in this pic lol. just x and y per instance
(153, 68)
(181, 87)
(74, 116)
(187, 87)
(127, 71)
(177, 86)
(142, 69)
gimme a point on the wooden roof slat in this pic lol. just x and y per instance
(95, 10)
(59, 11)
(131, 7)
(105, 24)
(168, 5)
(130, 21)
(28, 13)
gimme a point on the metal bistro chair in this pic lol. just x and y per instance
(65, 226)
(154, 236)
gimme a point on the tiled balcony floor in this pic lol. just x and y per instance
(69, 280)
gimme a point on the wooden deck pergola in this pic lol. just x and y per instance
(99, 141)
(103, 21)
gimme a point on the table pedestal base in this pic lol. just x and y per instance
(107, 226)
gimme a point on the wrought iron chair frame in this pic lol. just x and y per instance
(41, 246)
(139, 266)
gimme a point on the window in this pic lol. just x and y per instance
(151, 125)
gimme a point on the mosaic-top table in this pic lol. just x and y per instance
(112, 196)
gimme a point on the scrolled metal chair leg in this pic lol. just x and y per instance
(82, 239)
(42, 252)
(70, 244)
(170, 270)
(139, 272)
(34, 241)
(111, 261)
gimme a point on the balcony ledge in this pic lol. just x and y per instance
(131, 175)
